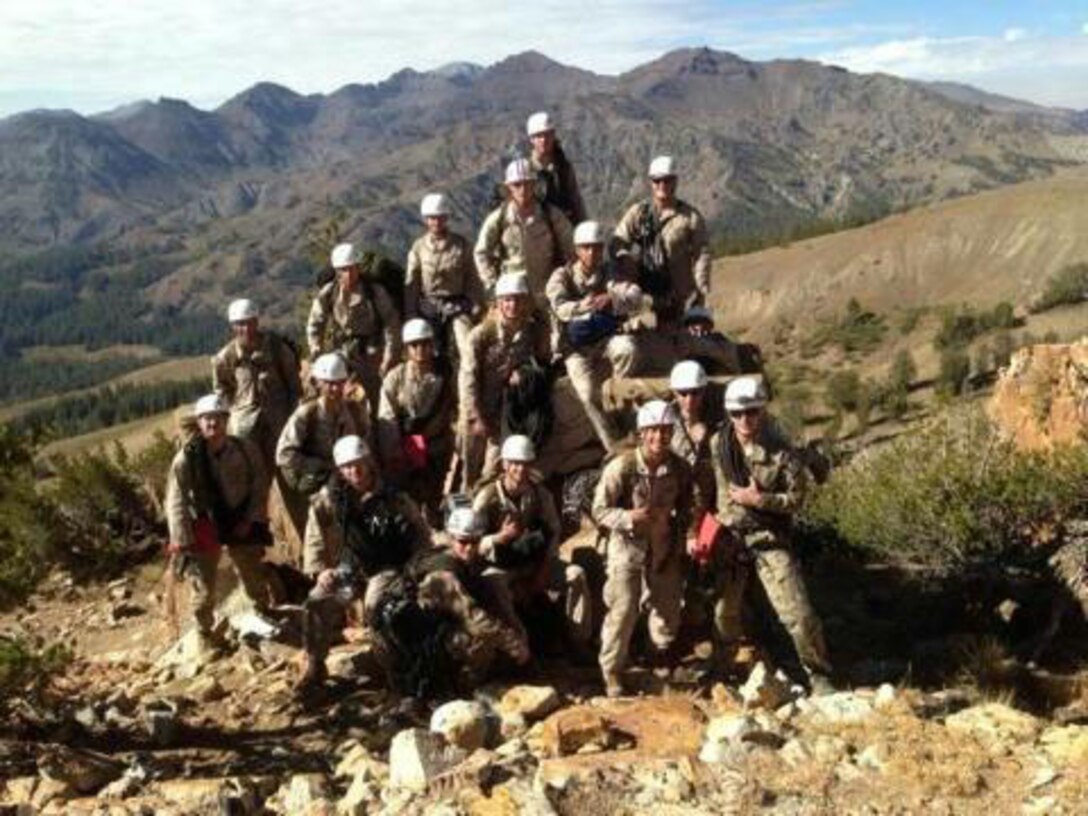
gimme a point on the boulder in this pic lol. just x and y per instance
(205, 689)
(764, 689)
(417, 756)
(302, 794)
(463, 723)
(1067, 744)
(995, 725)
(357, 762)
(82, 770)
(840, 707)
(530, 702)
(361, 798)
(574, 730)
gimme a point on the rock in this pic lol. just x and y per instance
(829, 749)
(885, 696)
(512, 748)
(730, 728)
(302, 794)
(161, 719)
(873, 757)
(795, 753)
(840, 707)
(198, 795)
(360, 799)
(512, 726)
(206, 689)
(463, 723)
(516, 797)
(530, 702)
(575, 729)
(1041, 806)
(417, 756)
(995, 725)
(125, 609)
(1038, 399)
(128, 785)
(665, 784)
(1067, 744)
(250, 624)
(84, 771)
(725, 698)
(358, 762)
(764, 689)
(49, 790)
(20, 789)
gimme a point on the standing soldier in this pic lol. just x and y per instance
(761, 483)
(645, 502)
(217, 495)
(304, 451)
(257, 374)
(499, 350)
(359, 535)
(441, 282)
(355, 317)
(521, 538)
(582, 303)
(415, 418)
(523, 235)
(556, 183)
(691, 436)
(666, 239)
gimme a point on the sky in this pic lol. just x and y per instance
(97, 55)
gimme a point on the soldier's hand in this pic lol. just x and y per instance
(478, 427)
(640, 515)
(386, 367)
(601, 302)
(748, 496)
(174, 548)
(510, 530)
(326, 580)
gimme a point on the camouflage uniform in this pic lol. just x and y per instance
(687, 255)
(535, 246)
(535, 509)
(650, 556)
(362, 325)
(766, 536)
(262, 387)
(441, 275)
(589, 366)
(558, 185)
(418, 403)
(325, 548)
(494, 352)
(691, 442)
(241, 480)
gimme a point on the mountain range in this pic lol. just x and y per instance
(762, 146)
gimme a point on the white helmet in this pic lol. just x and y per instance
(345, 255)
(211, 404)
(349, 449)
(588, 232)
(416, 330)
(512, 283)
(626, 298)
(518, 448)
(745, 392)
(242, 309)
(698, 314)
(464, 522)
(519, 170)
(655, 413)
(539, 122)
(330, 368)
(662, 167)
(687, 375)
(434, 204)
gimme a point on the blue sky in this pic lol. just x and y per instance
(92, 56)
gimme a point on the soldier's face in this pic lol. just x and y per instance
(436, 224)
(664, 189)
(332, 390)
(213, 427)
(357, 474)
(746, 422)
(421, 351)
(656, 439)
(466, 549)
(543, 143)
(517, 474)
(348, 276)
(511, 307)
(521, 193)
(690, 402)
(700, 328)
(589, 255)
(246, 332)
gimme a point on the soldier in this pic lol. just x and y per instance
(257, 374)
(415, 418)
(667, 240)
(359, 534)
(304, 452)
(523, 235)
(691, 435)
(556, 183)
(712, 349)
(355, 317)
(761, 483)
(582, 302)
(441, 282)
(645, 501)
(216, 495)
(499, 350)
(522, 532)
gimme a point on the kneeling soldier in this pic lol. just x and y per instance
(359, 535)
(761, 483)
(217, 494)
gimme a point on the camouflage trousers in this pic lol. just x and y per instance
(589, 367)
(202, 574)
(779, 572)
(324, 610)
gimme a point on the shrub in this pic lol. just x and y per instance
(954, 373)
(1066, 286)
(960, 326)
(26, 521)
(950, 495)
(858, 330)
(843, 391)
(24, 667)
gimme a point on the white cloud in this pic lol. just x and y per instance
(1084, 29)
(1015, 34)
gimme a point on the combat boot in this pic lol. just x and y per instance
(312, 678)
(613, 685)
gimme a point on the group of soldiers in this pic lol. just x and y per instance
(406, 459)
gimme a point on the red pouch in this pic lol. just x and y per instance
(205, 537)
(706, 538)
(414, 448)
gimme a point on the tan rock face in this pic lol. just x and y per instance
(1041, 400)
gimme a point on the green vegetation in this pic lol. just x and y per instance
(25, 666)
(25, 379)
(74, 415)
(953, 377)
(857, 331)
(960, 326)
(951, 495)
(1068, 285)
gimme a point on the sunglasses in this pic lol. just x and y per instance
(750, 412)
(693, 392)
